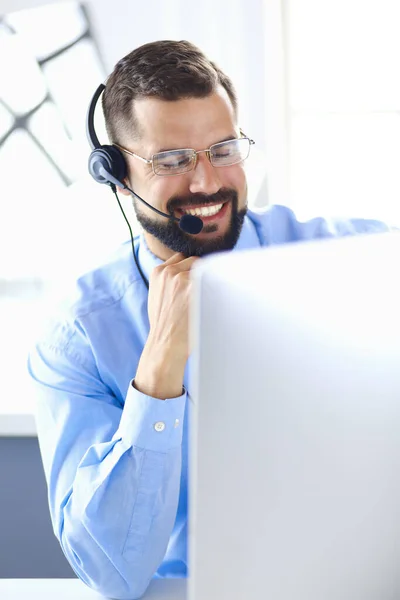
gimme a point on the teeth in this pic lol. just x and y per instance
(207, 211)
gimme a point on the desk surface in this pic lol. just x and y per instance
(65, 589)
(20, 424)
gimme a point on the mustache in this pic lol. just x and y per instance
(223, 195)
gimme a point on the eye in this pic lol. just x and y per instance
(225, 150)
(222, 152)
(171, 162)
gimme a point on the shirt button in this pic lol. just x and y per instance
(159, 426)
(176, 423)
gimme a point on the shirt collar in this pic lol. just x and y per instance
(148, 261)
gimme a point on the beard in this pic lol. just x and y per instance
(173, 237)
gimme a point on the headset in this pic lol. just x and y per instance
(107, 165)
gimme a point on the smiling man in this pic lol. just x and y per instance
(112, 372)
(212, 183)
(188, 129)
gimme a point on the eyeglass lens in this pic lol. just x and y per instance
(222, 154)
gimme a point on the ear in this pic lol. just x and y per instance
(123, 191)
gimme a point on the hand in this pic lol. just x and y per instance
(168, 305)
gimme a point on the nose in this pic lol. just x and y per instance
(204, 177)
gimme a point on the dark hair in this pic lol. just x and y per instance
(168, 70)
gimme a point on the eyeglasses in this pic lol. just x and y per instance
(176, 162)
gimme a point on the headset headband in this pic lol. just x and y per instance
(90, 132)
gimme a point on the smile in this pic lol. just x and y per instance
(207, 213)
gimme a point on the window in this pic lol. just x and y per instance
(52, 68)
(343, 100)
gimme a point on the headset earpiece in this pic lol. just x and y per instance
(111, 159)
(104, 157)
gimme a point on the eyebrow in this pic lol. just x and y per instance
(226, 139)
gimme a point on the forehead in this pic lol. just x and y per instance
(184, 123)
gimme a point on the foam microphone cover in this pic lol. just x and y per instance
(190, 224)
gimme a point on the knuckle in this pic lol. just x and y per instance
(158, 269)
(171, 270)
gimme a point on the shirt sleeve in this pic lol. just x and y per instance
(113, 471)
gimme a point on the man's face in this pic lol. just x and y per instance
(188, 123)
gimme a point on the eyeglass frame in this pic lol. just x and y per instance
(195, 153)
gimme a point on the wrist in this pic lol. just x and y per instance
(159, 373)
(166, 349)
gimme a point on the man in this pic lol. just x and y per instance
(112, 374)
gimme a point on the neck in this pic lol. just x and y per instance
(157, 248)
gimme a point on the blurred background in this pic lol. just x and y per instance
(319, 92)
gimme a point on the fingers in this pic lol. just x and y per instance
(178, 257)
(179, 262)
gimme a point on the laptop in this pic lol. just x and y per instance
(295, 429)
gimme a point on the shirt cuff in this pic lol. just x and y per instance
(151, 423)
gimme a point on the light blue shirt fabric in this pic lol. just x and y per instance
(117, 486)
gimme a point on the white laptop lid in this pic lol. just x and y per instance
(295, 462)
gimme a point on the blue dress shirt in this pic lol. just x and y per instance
(116, 460)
